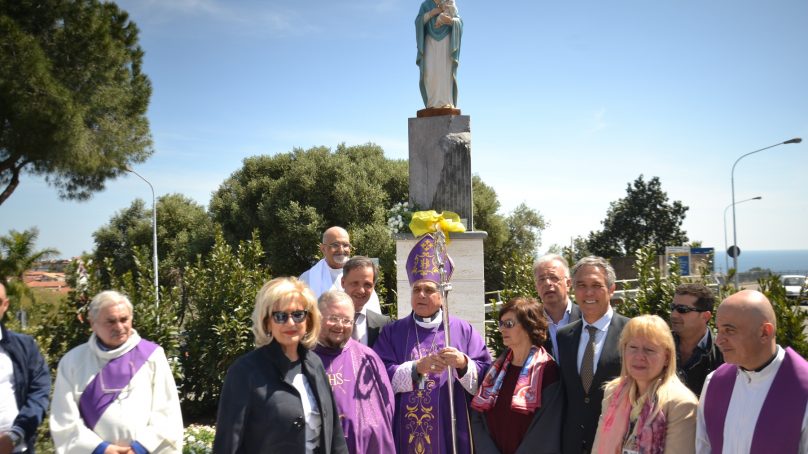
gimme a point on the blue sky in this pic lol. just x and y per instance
(569, 101)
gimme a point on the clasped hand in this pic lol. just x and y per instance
(438, 362)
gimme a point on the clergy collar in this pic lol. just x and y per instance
(767, 370)
(769, 361)
(429, 322)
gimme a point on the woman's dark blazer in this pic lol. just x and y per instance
(543, 435)
(260, 411)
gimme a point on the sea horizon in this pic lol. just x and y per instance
(783, 261)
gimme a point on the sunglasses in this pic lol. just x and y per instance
(507, 323)
(297, 316)
(682, 309)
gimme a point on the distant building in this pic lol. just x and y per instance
(55, 265)
(46, 280)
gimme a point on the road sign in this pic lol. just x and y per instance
(682, 256)
(733, 251)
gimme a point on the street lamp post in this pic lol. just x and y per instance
(732, 180)
(154, 239)
(726, 246)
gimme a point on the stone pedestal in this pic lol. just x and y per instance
(467, 297)
(440, 164)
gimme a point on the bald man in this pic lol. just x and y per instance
(756, 402)
(326, 274)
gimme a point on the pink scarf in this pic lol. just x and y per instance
(527, 394)
(649, 430)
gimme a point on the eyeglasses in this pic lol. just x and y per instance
(336, 319)
(427, 289)
(682, 309)
(549, 277)
(337, 245)
(507, 324)
(297, 316)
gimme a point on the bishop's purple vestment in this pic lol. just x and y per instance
(422, 422)
(363, 396)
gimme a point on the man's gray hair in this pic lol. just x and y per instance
(360, 261)
(547, 258)
(598, 262)
(333, 296)
(107, 298)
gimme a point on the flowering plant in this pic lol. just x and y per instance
(398, 217)
(198, 439)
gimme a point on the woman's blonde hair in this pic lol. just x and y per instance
(278, 294)
(657, 331)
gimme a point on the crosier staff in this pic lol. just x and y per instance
(445, 286)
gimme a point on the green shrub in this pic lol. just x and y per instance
(219, 295)
(654, 290)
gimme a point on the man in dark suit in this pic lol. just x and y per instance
(551, 274)
(589, 352)
(359, 280)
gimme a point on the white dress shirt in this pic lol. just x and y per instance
(360, 329)
(602, 324)
(8, 401)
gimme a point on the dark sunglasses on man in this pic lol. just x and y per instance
(682, 309)
(297, 316)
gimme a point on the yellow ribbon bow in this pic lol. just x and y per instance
(424, 222)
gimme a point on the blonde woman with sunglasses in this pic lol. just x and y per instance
(276, 399)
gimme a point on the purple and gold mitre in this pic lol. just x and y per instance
(422, 262)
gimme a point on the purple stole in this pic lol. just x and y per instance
(779, 424)
(107, 384)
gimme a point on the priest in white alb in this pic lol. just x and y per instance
(757, 402)
(115, 393)
(326, 274)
